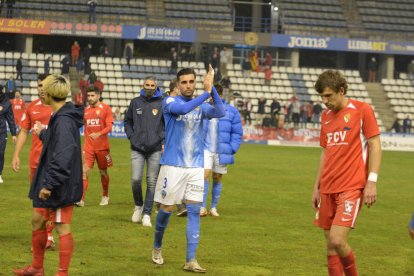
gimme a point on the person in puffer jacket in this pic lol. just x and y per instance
(222, 140)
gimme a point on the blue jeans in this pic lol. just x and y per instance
(3, 142)
(137, 167)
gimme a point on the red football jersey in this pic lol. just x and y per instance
(36, 111)
(18, 106)
(344, 136)
(98, 119)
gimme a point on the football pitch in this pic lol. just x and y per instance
(265, 227)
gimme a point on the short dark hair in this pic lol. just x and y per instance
(93, 89)
(219, 89)
(173, 84)
(185, 71)
(332, 79)
(41, 77)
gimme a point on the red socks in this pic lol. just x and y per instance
(39, 239)
(349, 265)
(50, 225)
(66, 245)
(335, 266)
(105, 184)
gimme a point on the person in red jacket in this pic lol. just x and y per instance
(75, 53)
(18, 106)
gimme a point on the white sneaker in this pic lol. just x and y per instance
(203, 212)
(146, 221)
(193, 266)
(214, 213)
(80, 203)
(104, 201)
(137, 215)
(157, 257)
(1, 180)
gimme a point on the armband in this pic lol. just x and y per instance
(373, 177)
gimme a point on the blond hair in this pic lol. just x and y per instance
(56, 86)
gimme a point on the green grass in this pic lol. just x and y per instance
(265, 226)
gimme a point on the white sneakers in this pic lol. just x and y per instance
(137, 215)
(203, 212)
(1, 180)
(214, 213)
(146, 221)
(80, 203)
(157, 257)
(104, 201)
(193, 266)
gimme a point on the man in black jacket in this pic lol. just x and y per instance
(144, 127)
(6, 114)
(57, 184)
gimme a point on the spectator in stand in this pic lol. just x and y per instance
(104, 50)
(268, 75)
(215, 58)
(268, 60)
(92, 10)
(410, 69)
(10, 87)
(86, 55)
(46, 65)
(274, 112)
(183, 54)
(10, 4)
(117, 114)
(75, 53)
(396, 127)
(246, 68)
(260, 111)
(80, 66)
(65, 66)
(128, 55)
(295, 111)
(407, 125)
(253, 60)
(19, 68)
(92, 77)
(317, 111)
(174, 61)
(372, 70)
(18, 107)
(191, 54)
(224, 59)
(247, 109)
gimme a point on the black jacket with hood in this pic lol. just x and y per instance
(60, 164)
(144, 123)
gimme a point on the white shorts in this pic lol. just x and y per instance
(176, 184)
(211, 161)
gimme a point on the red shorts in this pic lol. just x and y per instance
(32, 173)
(59, 215)
(338, 209)
(103, 158)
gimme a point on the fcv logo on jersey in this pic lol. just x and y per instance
(336, 138)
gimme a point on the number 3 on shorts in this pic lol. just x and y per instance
(165, 183)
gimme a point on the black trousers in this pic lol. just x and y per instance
(3, 141)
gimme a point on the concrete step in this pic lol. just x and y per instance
(381, 104)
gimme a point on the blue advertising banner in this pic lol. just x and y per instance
(117, 130)
(159, 33)
(342, 44)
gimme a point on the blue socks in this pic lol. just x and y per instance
(193, 230)
(160, 225)
(206, 184)
(411, 225)
(216, 192)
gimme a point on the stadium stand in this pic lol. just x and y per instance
(400, 93)
(312, 16)
(391, 17)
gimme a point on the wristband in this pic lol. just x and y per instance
(373, 177)
(411, 225)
